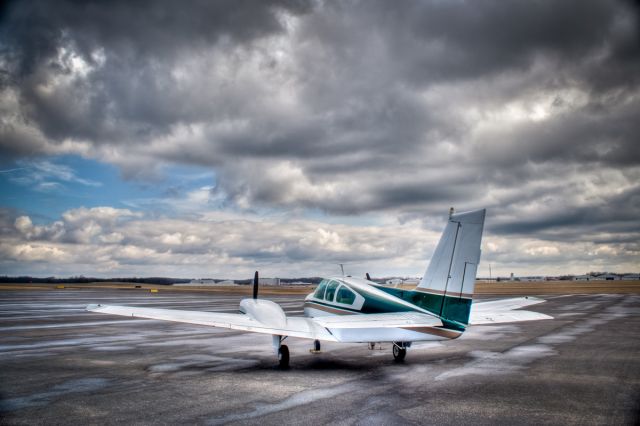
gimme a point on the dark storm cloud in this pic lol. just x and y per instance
(603, 131)
(610, 219)
(34, 30)
(449, 40)
(131, 45)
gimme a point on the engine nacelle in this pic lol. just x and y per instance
(264, 311)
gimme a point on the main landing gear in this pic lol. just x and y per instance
(399, 351)
(282, 351)
(283, 356)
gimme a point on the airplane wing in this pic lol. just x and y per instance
(502, 311)
(293, 326)
(347, 328)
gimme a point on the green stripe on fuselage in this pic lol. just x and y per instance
(455, 310)
(374, 304)
(332, 306)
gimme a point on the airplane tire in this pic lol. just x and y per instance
(316, 345)
(283, 356)
(399, 353)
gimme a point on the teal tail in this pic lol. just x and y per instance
(449, 281)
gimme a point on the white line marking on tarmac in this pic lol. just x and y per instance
(76, 324)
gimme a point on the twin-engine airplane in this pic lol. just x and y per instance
(347, 309)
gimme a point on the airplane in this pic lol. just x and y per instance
(357, 310)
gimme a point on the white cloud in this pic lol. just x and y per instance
(112, 238)
(119, 241)
(40, 252)
(122, 242)
(98, 214)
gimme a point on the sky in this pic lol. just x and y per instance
(212, 139)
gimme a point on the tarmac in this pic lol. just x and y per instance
(62, 365)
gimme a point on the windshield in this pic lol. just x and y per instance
(331, 290)
(319, 294)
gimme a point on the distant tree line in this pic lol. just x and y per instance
(312, 280)
(81, 279)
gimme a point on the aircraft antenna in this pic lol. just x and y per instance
(341, 268)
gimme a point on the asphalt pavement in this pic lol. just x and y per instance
(62, 365)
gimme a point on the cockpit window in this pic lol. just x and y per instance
(345, 296)
(331, 290)
(319, 294)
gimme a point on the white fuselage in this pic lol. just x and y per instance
(345, 297)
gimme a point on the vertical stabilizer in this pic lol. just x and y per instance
(452, 270)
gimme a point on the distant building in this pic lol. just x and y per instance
(607, 277)
(583, 278)
(269, 281)
(204, 282)
(631, 277)
(532, 279)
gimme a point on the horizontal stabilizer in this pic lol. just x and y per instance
(504, 304)
(504, 310)
(502, 317)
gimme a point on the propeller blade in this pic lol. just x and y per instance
(368, 277)
(255, 285)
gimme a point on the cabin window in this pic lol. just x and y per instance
(345, 296)
(319, 294)
(331, 291)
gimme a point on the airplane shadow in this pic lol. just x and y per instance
(324, 364)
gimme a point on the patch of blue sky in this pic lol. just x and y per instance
(44, 188)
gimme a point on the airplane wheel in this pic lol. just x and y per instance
(283, 356)
(316, 345)
(399, 353)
